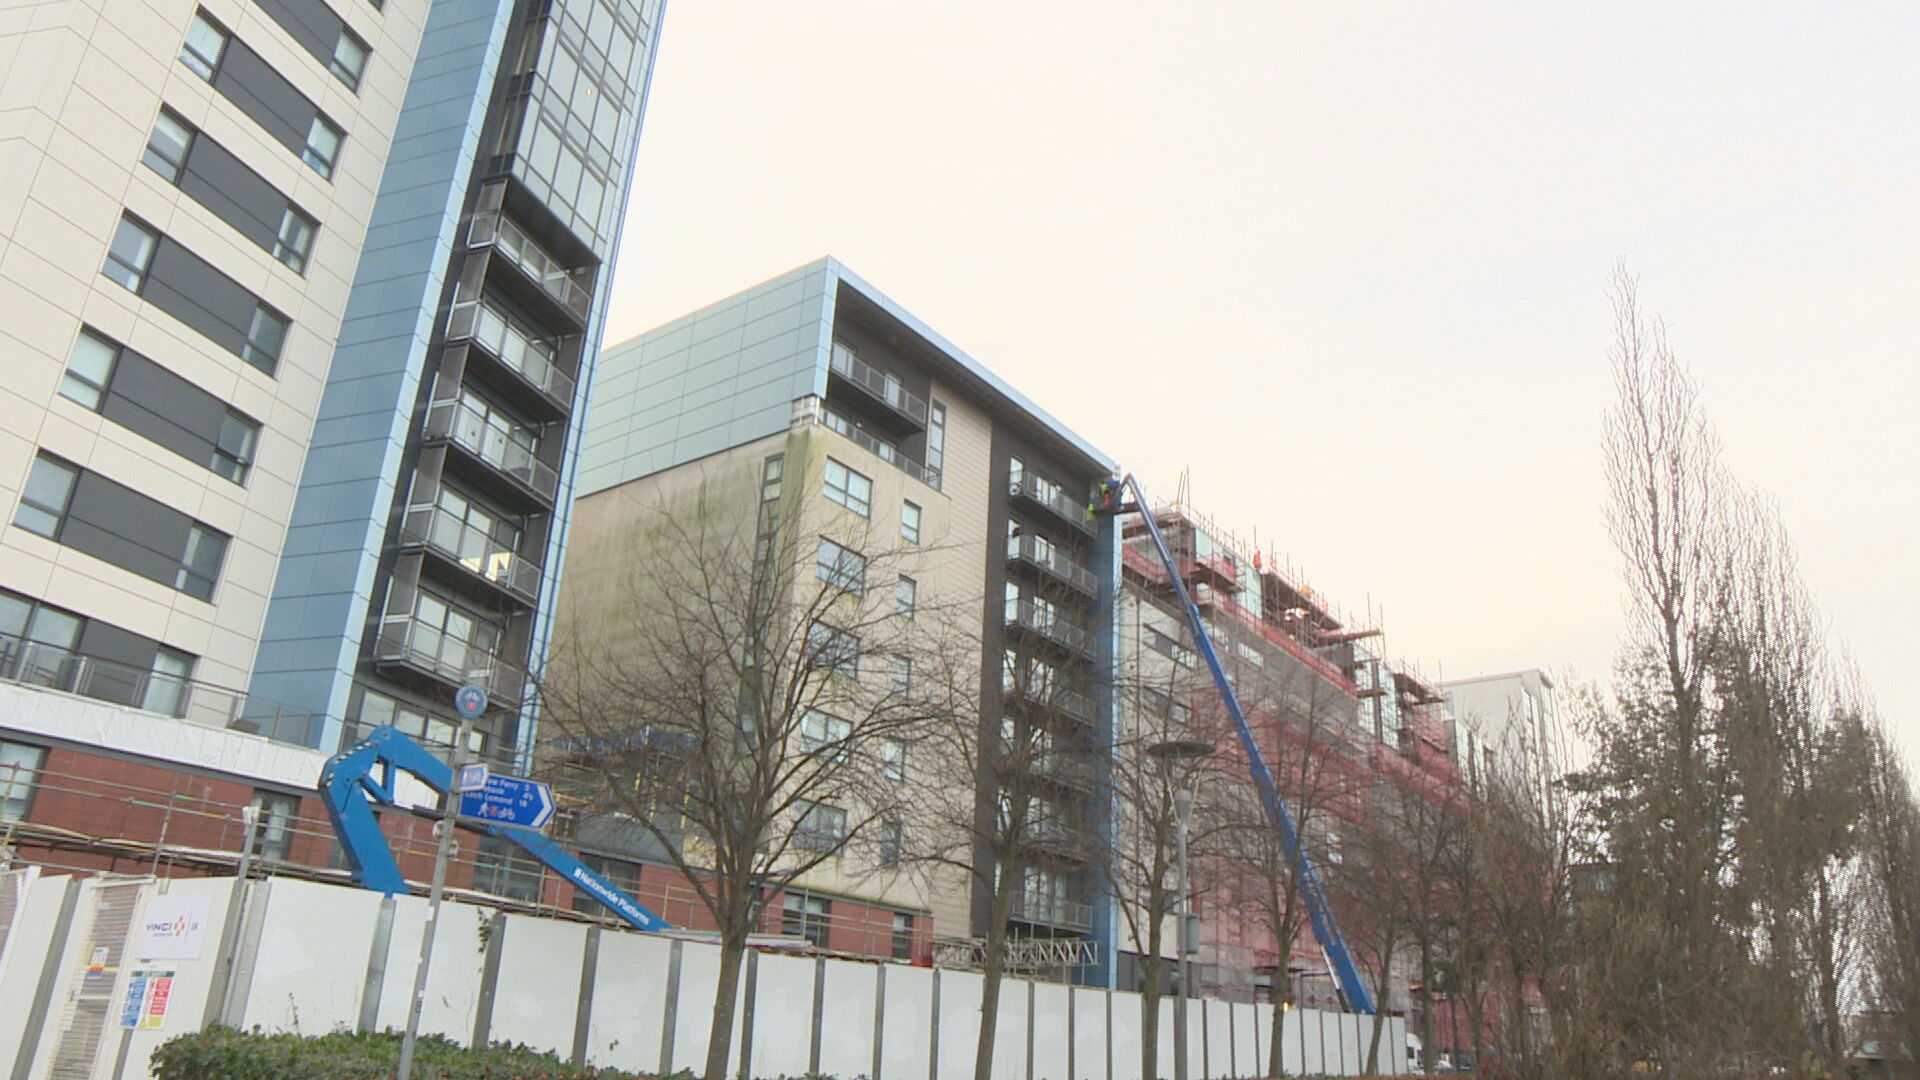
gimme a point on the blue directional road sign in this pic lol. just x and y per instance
(510, 800)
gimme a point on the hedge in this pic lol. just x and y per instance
(235, 1055)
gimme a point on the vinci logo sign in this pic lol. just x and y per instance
(172, 928)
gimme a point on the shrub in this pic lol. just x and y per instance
(236, 1055)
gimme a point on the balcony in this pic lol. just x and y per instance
(1068, 768)
(559, 284)
(473, 550)
(907, 410)
(1043, 910)
(1215, 569)
(1049, 626)
(409, 643)
(462, 425)
(1059, 838)
(1047, 558)
(528, 360)
(810, 410)
(1072, 703)
(1050, 497)
(31, 663)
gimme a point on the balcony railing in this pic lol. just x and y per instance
(1045, 910)
(1071, 702)
(876, 385)
(474, 549)
(427, 649)
(1050, 496)
(31, 663)
(1050, 625)
(532, 360)
(1057, 836)
(1027, 549)
(466, 428)
(1071, 768)
(810, 410)
(558, 282)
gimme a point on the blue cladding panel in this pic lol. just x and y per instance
(319, 606)
(725, 375)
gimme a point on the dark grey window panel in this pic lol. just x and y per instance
(310, 22)
(117, 524)
(239, 196)
(159, 405)
(187, 287)
(261, 92)
(111, 682)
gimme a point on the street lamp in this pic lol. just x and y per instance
(1167, 753)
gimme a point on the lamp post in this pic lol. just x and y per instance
(1167, 753)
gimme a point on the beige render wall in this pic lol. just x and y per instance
(80, 84)
(613, 528)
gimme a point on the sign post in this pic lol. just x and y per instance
(469, 701)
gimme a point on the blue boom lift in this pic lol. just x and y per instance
(1111, 501)
(367, 770)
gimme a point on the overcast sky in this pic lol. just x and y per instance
(1344, 263)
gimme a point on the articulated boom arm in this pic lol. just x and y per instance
(1325, 929)
(366, 771)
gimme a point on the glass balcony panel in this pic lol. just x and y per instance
(566, 287)
(472, 548)
(508, 453)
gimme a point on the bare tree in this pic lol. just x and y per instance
(1139, 866)
(1012, 817)
(1727, 779)
(1306, 728)
(734, 695)
(1890, 929)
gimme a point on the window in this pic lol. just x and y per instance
(900, 677)
(906, 596)
(295, 241)
(44, 502)
(349, 59)
(619, 873)
(1180, 712)
(274, 816)
(893, 759)
(902, 936)
(1161, 642)
(206, 44)
(840, 567)
(820, 828)
(130, 254)
(501, 868)
(890, 842)
(233, 453)
(937, 441)
(836, 650)
(849, 488)
(20, 767)
(200, 566)
(820, 731)
(805, 916)
(379, 710)
(771, 472)
(167, 146)
(910, 522)
(265, 336)
(89, 369)
(167, 686)
(322, 151)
